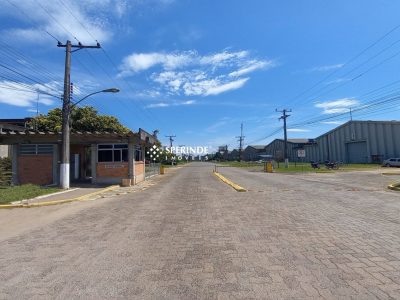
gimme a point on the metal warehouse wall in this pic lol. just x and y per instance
(275, 148)
(357, 142)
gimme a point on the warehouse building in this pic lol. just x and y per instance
(357, 142)
(253, 152)
(276, 147)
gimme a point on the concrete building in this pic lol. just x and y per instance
(99, 157)
(276, 148)
(357, 142)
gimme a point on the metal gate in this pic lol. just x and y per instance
(152, 169)
(357, 153)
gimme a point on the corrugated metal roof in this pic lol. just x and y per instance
(257, 147)
(77, 133)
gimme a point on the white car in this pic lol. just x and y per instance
(391, 162)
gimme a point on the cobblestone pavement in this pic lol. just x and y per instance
(190, 236)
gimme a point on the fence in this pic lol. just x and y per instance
(152, 169)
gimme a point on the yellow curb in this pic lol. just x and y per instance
(394, 186)
(48, 203)
(237, 187)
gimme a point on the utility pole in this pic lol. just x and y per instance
(284, 117)
(351, 115)
(170, 140)
(65, 144)
(240, 140)
(170, 145)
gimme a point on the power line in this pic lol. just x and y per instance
(345, 64)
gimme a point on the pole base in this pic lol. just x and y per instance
(286, 163)
(64, 176)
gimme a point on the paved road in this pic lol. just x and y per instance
(190, 236)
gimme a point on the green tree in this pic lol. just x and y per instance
(82, 119)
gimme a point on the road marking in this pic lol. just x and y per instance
(394, 186)
(237, 187)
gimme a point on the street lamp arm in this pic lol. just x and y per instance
(112, 90)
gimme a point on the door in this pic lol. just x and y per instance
(357, 153)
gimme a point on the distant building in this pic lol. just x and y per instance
(233, 155)
(253, 152)
(276, 148)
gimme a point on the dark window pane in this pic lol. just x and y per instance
(27, 149)
(105, 146)
(121, 146)
(105, 156)
(138, 155)
(117, 155)
(45, 149)
(125, 155)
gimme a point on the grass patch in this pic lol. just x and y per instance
(21, 192)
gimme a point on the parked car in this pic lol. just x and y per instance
(391, 162)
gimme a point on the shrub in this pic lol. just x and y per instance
(5, 171)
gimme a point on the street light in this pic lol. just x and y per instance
(65, 141)
(112, 90)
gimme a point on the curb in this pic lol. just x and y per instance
(394, 186)
(388, 173)
(56, 202)
(237, 187)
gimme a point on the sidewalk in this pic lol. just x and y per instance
(82, 192)
(72, 193)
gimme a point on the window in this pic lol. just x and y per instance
(35, 149)
(138, 153)
(112, 153)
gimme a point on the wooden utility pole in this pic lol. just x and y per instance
(65, 142)
(284, 117)
(240, 140)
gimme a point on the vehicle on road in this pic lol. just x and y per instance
(391, 162)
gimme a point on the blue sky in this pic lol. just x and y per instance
(197, 69)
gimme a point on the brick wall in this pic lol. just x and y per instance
(139, 168)
(36, 169)
(112, 169)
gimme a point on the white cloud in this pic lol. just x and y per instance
(253, 66)
(61, 20)
(137, 62)
(233, 85)
(172, 103)
(157, 105)
(297, 130)
(332, 122)
(23, 96)
(190, 74)
(222, 58)
(217, 125)
(326, 68)
(337, 106)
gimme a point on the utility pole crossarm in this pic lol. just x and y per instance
(170, 139)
